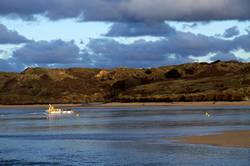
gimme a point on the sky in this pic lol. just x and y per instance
(121, 33)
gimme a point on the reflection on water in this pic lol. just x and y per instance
(119, 136)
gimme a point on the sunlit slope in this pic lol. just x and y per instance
(227, 81)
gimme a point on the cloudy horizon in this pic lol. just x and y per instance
(131, 33)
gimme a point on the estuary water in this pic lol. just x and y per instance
(120, 136)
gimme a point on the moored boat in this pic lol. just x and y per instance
(55, 111)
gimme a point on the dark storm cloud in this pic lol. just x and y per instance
(44, 52)
(141, 53)
(243, 42)
(231, 32)
(130, 10)
(53, 54)
(60, 9)
(140, 29)
(10, 37)
(174, 49)
(224, 57)
(10, 66)
(4, 65)
(186, 43)
(181, 43)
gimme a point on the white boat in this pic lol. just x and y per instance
(207, 114)
(57, 111)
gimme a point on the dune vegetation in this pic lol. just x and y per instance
(217, 81)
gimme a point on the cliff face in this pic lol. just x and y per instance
(218, 81)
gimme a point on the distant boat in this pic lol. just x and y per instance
(57, 111)
(207, 114)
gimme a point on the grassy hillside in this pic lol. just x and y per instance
(218, 81)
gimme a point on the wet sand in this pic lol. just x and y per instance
(108, 105)
(226, 139)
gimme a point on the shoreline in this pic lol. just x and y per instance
(239, 139)
(197, 104)
(117, 104)
(133, 104)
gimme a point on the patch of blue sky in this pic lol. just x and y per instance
(81, 32)
(242, 54)
(211, 28)
(67, 29)
(7, 50)
(205, 58)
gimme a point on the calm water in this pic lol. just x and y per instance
(119, 136)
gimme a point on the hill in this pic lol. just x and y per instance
(217, 81)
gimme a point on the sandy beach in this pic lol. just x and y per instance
(195, 104)
(116, 104)
(226, 139)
